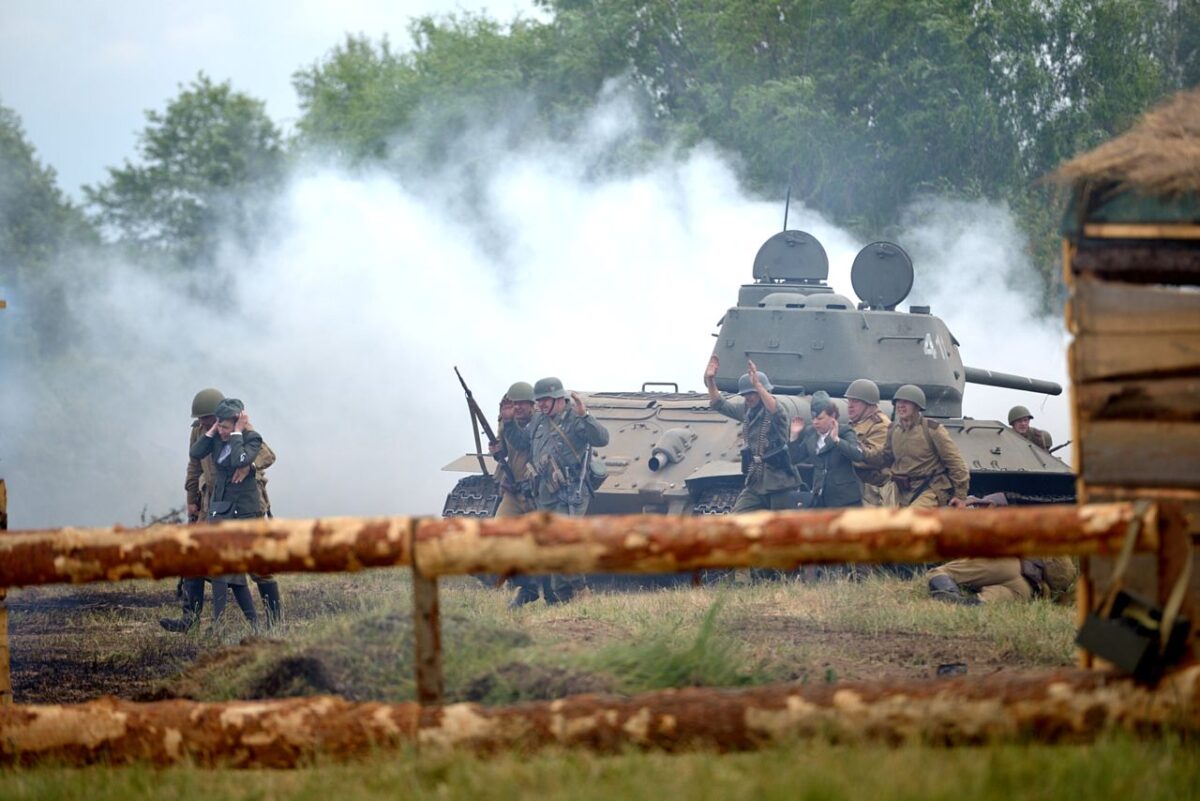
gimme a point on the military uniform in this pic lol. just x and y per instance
(557, 447)
(1008, 579)
(877, 486)
(514, 500)
(771, 481)
(1038, 437)
(926, 465)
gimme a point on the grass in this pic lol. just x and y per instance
(1113, 768)
(352, 635)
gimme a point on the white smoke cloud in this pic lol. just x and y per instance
(340, 332)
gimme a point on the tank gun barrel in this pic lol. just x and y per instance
(975, 375)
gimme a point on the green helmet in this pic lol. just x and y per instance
(520, 391)
(549, 388)
(912, 394)
(1018, 413)
(745, 387)
(865, 390)
(205, 402)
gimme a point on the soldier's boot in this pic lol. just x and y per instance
(273, 602)
(943, 588)
(245, 601)
(191, 602)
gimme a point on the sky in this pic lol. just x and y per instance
(82, 74)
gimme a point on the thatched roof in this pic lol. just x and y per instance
(1158, 156)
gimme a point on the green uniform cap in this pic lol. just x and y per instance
(229, 407)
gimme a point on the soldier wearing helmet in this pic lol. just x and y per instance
(198, 484)
(926, 465)
(771, 481)
(561, 436)
(871, 426)
(1019, 418)
(516, 412)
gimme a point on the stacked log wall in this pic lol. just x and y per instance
(1134, 313)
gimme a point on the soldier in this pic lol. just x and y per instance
(516, 412)
(926, 465)
(997, 580)
(871, 426)
(771, 481)
(832, 446)
(1019, 418)
(198, 485)
(561, 438)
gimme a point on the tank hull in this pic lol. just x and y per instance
(704, 475)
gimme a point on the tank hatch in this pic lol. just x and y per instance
(882, 275)
(791, 256)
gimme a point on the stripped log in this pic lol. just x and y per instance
(1066, 706)
(544, 543)
(541, 543)
(261, 545)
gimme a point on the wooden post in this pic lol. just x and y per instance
(6, 694)
(427, 638)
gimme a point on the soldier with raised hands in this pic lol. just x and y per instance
(771, 481)
(561, 436)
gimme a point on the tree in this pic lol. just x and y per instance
(205, 165)
(40, 233)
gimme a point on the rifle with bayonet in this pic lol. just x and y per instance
(479, 420)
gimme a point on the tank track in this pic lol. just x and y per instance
(716, 501)
(473, 496)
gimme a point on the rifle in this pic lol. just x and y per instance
(478, 419)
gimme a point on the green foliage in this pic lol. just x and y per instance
(657, 659)
(205, 160)
(36, 221)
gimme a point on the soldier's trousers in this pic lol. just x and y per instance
(512, 506)
(879, 495)
(749, 500)
(994, 579)
(570, 583)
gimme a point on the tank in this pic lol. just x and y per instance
(669, 453)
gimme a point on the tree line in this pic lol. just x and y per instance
(861, 107)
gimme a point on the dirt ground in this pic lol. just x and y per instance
(72, 644)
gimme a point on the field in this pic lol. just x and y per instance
(351, 635)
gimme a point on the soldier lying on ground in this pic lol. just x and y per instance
(998, 580)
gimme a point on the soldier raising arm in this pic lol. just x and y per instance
(927, 467)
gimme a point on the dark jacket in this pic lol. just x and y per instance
(835, 481)
(245, 498)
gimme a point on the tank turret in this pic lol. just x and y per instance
(809, 338)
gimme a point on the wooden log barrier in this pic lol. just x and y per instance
(1066, 706)
(262, 545)
(544, 543)
(541, 543)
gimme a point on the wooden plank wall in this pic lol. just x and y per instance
(1134, 313)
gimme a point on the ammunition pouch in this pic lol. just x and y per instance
(777, 459)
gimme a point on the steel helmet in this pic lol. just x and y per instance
(911, 393)
(205, 402)
(1018, 413)
(865, 390)
(746, 388)
(520, 391)
(551, 387)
